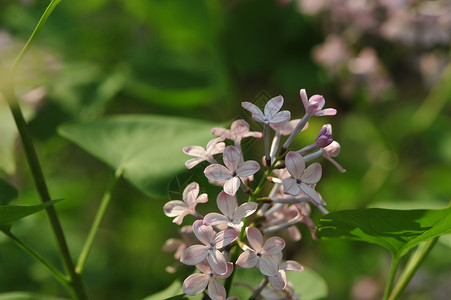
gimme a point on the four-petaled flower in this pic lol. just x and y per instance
(232, 214)
(238, 130)
(314, 105)
(179, 209)
(264, 257)
(212, 242)
(233, 170)
(196, 283)
(272, 114)
(301, 178)
(215, 146)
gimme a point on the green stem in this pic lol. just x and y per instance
(35, 33)
(57, 274)
(391, 278)
(97, 220)
(412, 266)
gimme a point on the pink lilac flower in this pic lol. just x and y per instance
(271, 114)
(215, 146)
(233, 170)
(212, 242)
(263, 256)
(196, 283)
(282, 217)
(333, 150)
(178, 246)
(179, 209)
(324, 137)
(279, 282)
(314, 105)
(301, 178)
(287, 127)
(232, 214)
(238, 130)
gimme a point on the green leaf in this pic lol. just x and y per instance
(10, 214)
(8, 192)
(147, 148)
(396, 230)
(27, 296)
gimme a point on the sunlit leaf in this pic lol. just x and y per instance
(27, 296)
(396, 230)
(8, 192)
(174, 291)
(10, 214)
(147, 148)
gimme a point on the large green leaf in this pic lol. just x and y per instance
(27, 296)
(173, 292)
(396, 230)
(10, 214)
(147, 148)
(8, 192)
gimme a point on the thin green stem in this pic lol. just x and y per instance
(35, 34)
(391, 278)
(56, 273)
(412, 266)
(97, 221)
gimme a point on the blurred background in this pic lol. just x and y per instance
(382, 64)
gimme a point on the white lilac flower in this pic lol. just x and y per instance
(263, 256)
(233, 170)
(215, 146)
(238, 130)
(198, 282)
(271, 114)
(301, 178)
(212, 243)
(232, 213)
(279, 282)
(179, 209)
(314, 105)
(178, 246)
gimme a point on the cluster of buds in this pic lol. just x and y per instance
(216, 242)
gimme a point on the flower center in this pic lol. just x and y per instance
(259, 254)
(298, 181)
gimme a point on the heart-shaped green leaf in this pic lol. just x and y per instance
(8, 193)
(10, 214)
(396, 230)
(147, 148)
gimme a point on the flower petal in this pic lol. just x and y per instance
(255, 238)
(326, 112)
(245, 210)
(196, 151)
(232, 185)
(225, 237)
(204, 233)
(274, 245)
(215, 146)
(227, 204)
(295, 164)
(217, 261)
(174, 208)
(257, 114)
(268, 266)
(273, 106)
(309, 191)
(217, 172)
(190, 194)
(214, 219)
(232, 158)
(280, 117)
(216, 290)
(291, 265)
(248, 168)
(278, 282)
(291, 187)
(312, 174)
(248, 259)
(229, 271)
(195, 284)
(192, 162)
(304, 99)
(194, 255)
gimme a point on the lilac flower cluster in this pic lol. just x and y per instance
(221, 236)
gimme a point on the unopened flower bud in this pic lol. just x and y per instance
(324, 137)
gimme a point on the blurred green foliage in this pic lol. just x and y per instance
(200, 59)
